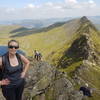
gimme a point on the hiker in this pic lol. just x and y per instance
(86, 90)
(37, 55)
(14, 67)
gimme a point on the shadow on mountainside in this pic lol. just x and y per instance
(32, 31)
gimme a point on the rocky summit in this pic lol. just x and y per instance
(45, 82)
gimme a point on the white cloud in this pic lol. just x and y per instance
(92, 3)
(49, 4)
(51, 10)
(71, 4)
(30, 6)
(10, 10)
(71, 1)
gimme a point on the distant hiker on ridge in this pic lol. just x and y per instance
(37, 55)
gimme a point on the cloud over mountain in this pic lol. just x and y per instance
(50, 10)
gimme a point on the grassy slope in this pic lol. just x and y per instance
(92, 75)
(96, 40)
(54, 43)
(98, 26)
(45, 43)
(4, 33)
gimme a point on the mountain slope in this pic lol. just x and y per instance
(69, 26)
(73, 48)
(24, 32)
(56, 37)
(81, 60)
(78, 56)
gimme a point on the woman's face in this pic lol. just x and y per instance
(13, 46)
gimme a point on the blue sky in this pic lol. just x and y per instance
(40, 9)
(21, 3)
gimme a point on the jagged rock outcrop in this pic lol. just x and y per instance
(82, 59)
(45, 82)
(83, 47)
(80, 47)
(86, 25)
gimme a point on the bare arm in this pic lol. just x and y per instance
(0, 62)
(26, 65)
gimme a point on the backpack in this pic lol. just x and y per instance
(1, 74)
(3, 63)
(1, 70)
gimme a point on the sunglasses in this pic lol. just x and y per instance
(11, 47)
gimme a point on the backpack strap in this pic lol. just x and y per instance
(3, 62)
(4, 57)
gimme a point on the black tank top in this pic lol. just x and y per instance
(13, 73)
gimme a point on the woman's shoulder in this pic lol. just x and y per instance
(0, 57)
(20, 55)
(0, 60)
(24, 58)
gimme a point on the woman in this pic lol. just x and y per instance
(14, 69)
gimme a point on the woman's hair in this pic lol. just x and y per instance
(13, 41)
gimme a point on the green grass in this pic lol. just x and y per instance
(53, 44)
(92, 77)
(96, 40)
(46, 42)
(70, 69)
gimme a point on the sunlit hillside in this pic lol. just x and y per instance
(5, 33)
(46, 42)
(73, 47)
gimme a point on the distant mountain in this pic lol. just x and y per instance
(98, 26)
(95, 20)
(81, 58)
(40, 23)
(20, 29)
(25, 31)
(52, 34)
(71, 25)
(31, 23)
